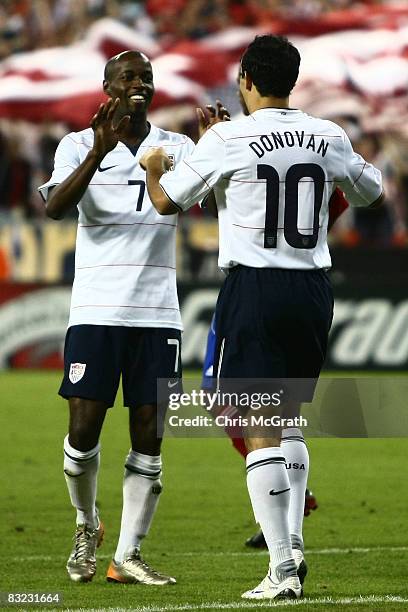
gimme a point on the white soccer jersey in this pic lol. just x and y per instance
(125, 260)
(273, 173)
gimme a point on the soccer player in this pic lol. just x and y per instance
(337, 205)
(272, 173)
(235, 433)
(124, 317)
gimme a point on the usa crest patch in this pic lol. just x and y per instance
(76, 372)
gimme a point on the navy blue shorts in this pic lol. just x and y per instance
(272, 324)
(95, 357)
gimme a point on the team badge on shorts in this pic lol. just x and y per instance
(76, 372)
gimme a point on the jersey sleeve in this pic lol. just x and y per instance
(66, 160)
(190, 146)
(362, 183)
(197, 174)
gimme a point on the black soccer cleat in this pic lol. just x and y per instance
(302, 572)
(310, 502)
(256, 541)
(288, 594)
(301, 567)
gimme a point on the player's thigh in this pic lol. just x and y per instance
(92, 362)
(152, 355)
(243, 348)
(305, 334)
(302, 329)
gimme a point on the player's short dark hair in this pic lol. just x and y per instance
(112, 63)
(273, 64)
(110, 68)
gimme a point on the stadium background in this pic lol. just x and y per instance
(355, 71)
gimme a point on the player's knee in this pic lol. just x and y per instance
(85, 423)
(82, 434)
(144, 431)
(145, 418)
(77, 462)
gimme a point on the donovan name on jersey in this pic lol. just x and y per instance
(273, 174)
(275, 141)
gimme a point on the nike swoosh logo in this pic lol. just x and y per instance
(273, 492)
(100, 169)
(172, 384)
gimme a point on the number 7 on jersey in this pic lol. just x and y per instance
(142, 190)
(175, 342)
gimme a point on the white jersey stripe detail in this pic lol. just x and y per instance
(126, 224)
(124, 265)
(121, 306)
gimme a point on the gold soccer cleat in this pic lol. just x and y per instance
(81, 565)
(135, 570)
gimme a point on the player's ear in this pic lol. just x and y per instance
(248, 82)
(106, 87)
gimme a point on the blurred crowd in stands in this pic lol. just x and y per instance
(27, 154)
(30, 24)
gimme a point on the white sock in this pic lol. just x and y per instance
(81, 474)
(141, 491)
(297, 465)
(269, 490)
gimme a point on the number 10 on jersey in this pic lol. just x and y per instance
(290, 228)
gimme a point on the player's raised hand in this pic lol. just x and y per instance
(155, 158)
(211, 116)
(106, 134)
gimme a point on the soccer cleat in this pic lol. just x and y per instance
(300, 564)
(81, 565)
(256, 541)
(135, 570)
(310, 502)
(289, 588)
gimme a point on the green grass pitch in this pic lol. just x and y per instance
(357, 541)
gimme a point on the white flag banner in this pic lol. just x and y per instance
(353, 62)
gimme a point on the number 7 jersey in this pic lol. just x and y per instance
(273, 173)
(125, 260)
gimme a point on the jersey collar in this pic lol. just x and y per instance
(148, 140)
(274, 110)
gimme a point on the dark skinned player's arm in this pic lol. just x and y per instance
(67, 194)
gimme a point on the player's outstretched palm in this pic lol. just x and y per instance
(106, 134)
(211, 117)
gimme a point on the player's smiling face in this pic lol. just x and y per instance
(132, 83)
